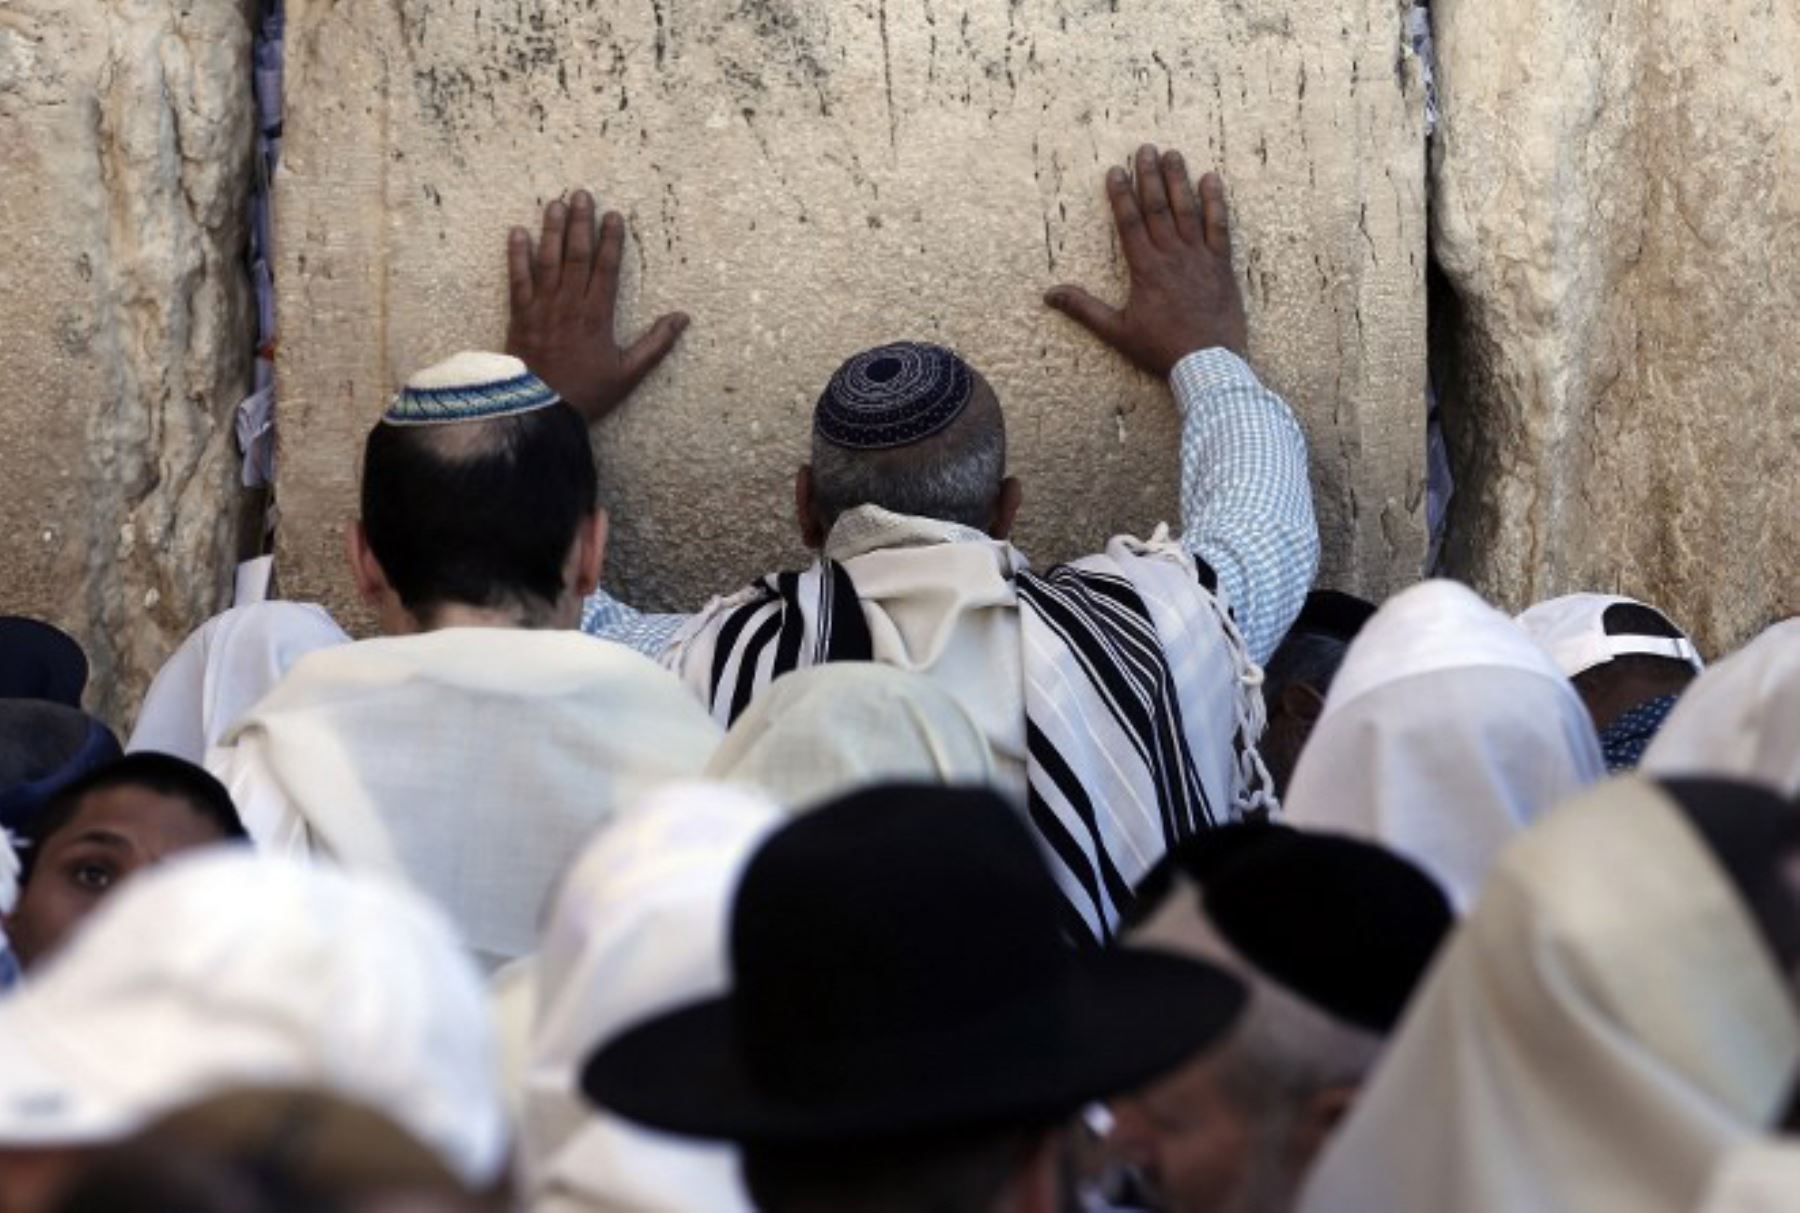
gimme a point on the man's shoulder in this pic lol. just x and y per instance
(1131, 557)
(541, 663)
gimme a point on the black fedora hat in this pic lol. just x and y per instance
(898, 969)
(39, 661)
(1334, 613)
(1348, 925)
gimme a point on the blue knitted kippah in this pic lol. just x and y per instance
(893, 395)
(469, 387)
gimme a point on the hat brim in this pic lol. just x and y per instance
(1128, 1017)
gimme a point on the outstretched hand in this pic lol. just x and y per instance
(564, 296)
(1177, 245)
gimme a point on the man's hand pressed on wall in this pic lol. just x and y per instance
(1177, 245)
(564, 294)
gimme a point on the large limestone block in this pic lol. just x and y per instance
(125, 137)
(1617, 209)
(806, 177)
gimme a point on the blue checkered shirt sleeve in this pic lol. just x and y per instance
(1246, 500)
(606, 617)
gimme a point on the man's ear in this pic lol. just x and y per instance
(365, 570)
(1319, 1118)
(590, 553)
(806, 514)
(1302, 702)
(1006, 508)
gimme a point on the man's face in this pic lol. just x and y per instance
(1188, 1140)
(111, 834)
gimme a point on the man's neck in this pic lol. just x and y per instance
(460, 615)
(870, 528)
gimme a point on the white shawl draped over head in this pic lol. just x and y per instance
(640, 926)
(1603, 1027)
(473, 761)
(222, 670)
(818, 733)
(1740, 719)
(1761, 1177)
(1447, 731)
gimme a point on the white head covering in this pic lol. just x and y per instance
(224, 970)
(821, 731)
(1762, 1177)
(9, 897)
(1740, 719)
(1572, 629)
(1446, 732)
(221, 671)
(1598, 1032)
(10, 869)
(640, 926)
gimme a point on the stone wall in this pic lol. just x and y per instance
(806, 177)
(1617, 212)
(125, 137)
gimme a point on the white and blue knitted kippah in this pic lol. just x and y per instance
(893, 395)
(469, 387)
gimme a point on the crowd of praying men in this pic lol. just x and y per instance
(917, 879)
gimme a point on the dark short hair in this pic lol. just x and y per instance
(164, 774)
(960, 1173)
(478, 514)
(1307, 658)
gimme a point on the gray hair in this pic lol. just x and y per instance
(952, 476)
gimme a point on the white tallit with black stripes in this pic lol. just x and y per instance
(1115, 690)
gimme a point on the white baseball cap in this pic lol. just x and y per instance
(1572, 629)
(227, 970)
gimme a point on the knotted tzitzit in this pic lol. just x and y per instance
(1256, 794)
(892, 396)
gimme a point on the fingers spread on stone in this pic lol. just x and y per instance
(518, 267)
(1217, 218)
(1126, 213)
(1153, 197)
(550, 246)
(612, 254)
(578, 251)
(1182, 200)
(648, 351)
(1101, 319)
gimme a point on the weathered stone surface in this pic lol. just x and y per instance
(125, 138)
(807, 177)
(1617, 209)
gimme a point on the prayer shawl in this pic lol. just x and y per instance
(222, 670)
(1115, 691)
(1596, 1036)
(474, 761)
(1763, 1177)
(1740, 719)
(1447, 731)
(9, 897)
